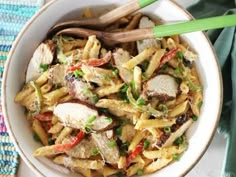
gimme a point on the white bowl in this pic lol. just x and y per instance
(199, 135)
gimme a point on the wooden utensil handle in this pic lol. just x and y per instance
(124, 10)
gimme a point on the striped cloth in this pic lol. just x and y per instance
(13, 15)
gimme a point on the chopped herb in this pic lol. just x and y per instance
(95, 98)
(88, 125)
(108, 66)
(194, 118)
(124, 122)
(193, 86)
(140, 41)
(135, 95)
(146, 144)
(125, 145)
(95, 151)
(91, 119)
(103, 110)
(78, 73)
(164, 67)
(124, 148)
(144, 78)
(115, 71)
(43, 67)
(179, 140)
(57, 86)
(177, 71)
(36, 137)
(141, 101)
(120, 174)
(132, 85)
(119, 131)
(139, 172)
(177, 80)
(180, 55)
(124, 88)
(167, 130)
(51, 141)
(200, 104)
(176, 157)
(88, 129)
(163, 107)
(108, 119)
(123, 96)
(112, 144)
(144, 65)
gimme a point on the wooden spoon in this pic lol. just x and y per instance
(158, 31)
(104, 20)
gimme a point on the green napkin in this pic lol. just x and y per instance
(224, 41)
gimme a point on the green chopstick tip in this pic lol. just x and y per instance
(144, 3)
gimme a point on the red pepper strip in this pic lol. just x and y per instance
(44, 117)
(47, 125)
(70, 145)
(91, 62)
(134, 153)
(168, 56)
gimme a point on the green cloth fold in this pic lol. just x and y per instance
(224, 41)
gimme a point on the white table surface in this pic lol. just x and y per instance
(210, 164)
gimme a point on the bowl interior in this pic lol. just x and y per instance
(199, 134)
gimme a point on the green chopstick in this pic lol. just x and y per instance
(194, 25)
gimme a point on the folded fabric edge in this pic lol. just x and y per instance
(229, 174)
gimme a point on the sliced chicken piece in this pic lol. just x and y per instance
(162, 86)
(43, 55)
(57, 74)
(98, 75)
(107, 147)
(103, 123)
(109, 134)
(81, 116)
(83, 149)
(120, 57)
(80, 89)
(146, 22)
(127, 133)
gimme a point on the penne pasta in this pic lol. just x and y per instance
(135, 141)
(179, 109)
(166, 152)
(117, 110)
(146, 54)
(171, 43)
(74, 163)
(54, 96)
(154, 123)
(138, 79)
(108, 171)
(196, 103)
(56, 128)
(108, 90)
(156, 165)
(38, 129)
(64, 133)
(46, 151)
(154, 63)
(134, 169)
(115, 104)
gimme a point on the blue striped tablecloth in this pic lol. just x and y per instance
(13, 15)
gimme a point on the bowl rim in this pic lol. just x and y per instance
(6, 70)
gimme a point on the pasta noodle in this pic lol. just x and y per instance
(103, 111)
